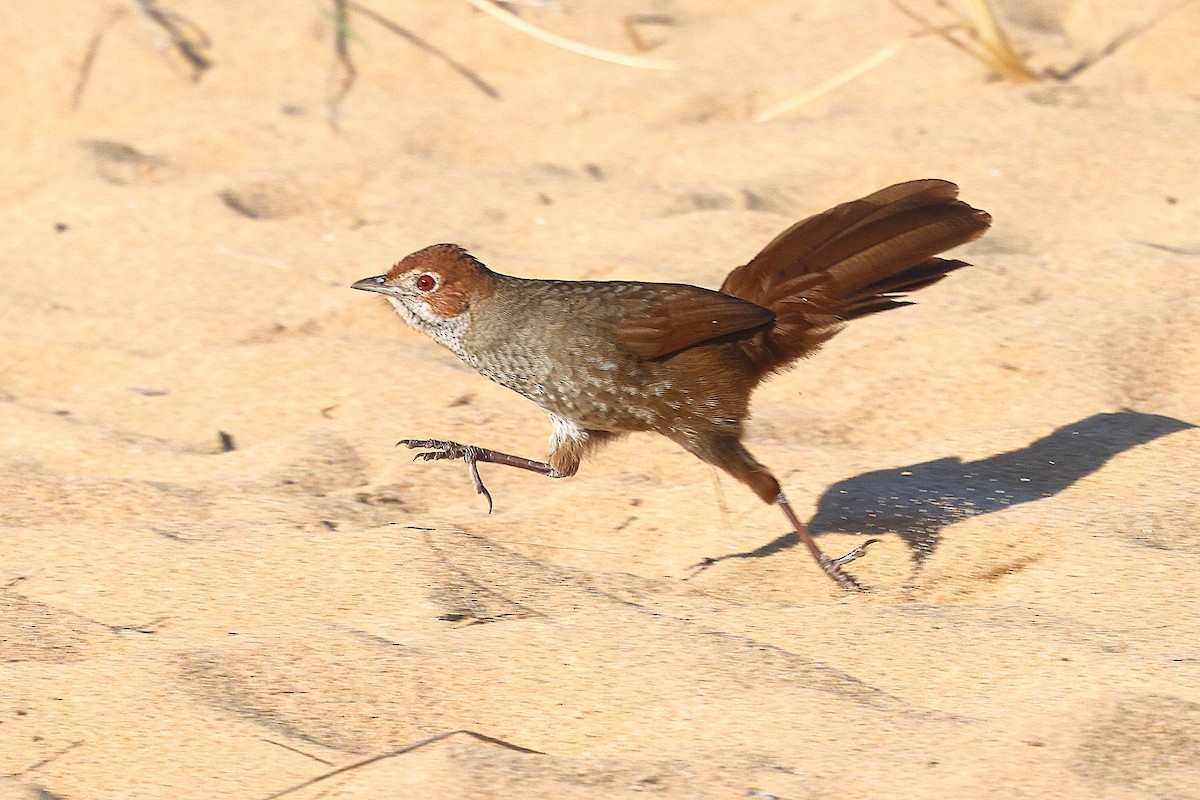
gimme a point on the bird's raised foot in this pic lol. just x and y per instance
(438, 450)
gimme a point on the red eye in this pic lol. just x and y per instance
(426, 283)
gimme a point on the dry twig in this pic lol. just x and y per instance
(341, 53)
(408, 748)
(188, 38)
(43, 762)
(987, 44)
(436, 52)
(89, 57)
(297, 751)
(634, 20)
(567, 44)
(991, 37)
(345, 62)
(1116, 44)
(827, 86)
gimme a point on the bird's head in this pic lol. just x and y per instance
(433, 288)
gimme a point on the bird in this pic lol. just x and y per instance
(607, 358)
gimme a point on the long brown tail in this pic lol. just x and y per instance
(854, 259)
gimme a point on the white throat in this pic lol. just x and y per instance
(447, 331)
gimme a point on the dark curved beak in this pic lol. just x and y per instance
(378, 283)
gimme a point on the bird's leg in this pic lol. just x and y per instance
(831, 566)
(437, 450)
(730, 455)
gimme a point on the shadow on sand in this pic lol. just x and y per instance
(918, 501)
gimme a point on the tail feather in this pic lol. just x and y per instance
(851, 261)
(808, 235)
(882, 295)
(876, 251)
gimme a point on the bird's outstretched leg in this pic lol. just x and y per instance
(567, 448)
(437, 450)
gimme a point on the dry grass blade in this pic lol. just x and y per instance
(344, 63)
(1116, 44)
(944, 31)
(1004, 60)
(825, 87)
(412, 38)
(988, 44)
(186, 36)
(408, 748)
(297, 751)
(43, 762)
(89, 57)
(341, 51)
(567, 44)
(634, 20)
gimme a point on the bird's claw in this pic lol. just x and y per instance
(475, 479)
(438, 450)
(854, 554)
(833, 566)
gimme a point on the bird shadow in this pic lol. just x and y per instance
(918, 501)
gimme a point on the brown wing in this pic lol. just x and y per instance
(674, 316)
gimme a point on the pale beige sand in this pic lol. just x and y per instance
(179, 622)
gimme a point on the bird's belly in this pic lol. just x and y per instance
(645, 399)
(608, 393)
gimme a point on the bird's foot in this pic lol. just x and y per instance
(833, 570)
(438, 450)
(833, 566)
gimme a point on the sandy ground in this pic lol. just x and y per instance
(180, 619)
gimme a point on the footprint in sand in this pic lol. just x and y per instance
(125, 165)
(288, 194)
